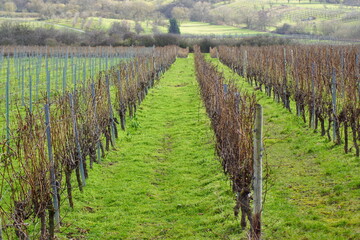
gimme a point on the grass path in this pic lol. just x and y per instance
(314, 188)
(164, 181)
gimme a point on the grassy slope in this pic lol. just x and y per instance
(284, 11)
(207, 28)
(185, 27)
(314, 189)
(104, 24)
(295, 12)
(164, 181)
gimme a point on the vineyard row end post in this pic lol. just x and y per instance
(257, 184)
(54, 223)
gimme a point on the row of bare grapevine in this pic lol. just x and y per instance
(75, 51)
(324, 82)
(232, 118)
(38, 163)
(183, 52)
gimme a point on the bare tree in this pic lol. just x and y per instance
(200, 12)
(138, 28)
(180, 13)
(10, 7)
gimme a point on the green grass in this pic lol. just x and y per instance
(164, 181)
(314, 189)
(185, 27)
(31, 21)
(207, 28)
(146, 25)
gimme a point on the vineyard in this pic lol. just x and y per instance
(57, 134)
(122, 143)
(232, 117)
(324, 83)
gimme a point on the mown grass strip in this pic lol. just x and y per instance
(313, 189)
(164, 181)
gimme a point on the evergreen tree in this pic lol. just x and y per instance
(174, 27)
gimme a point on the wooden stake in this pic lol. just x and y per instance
(93, 95)
(112, 123)
(1, 230)
(312, 120)
(258, 148)
(7, 98)
(357, 60)
(244, 64)
(52, 167)
(333, 93)
(77, 142)
(30, 94)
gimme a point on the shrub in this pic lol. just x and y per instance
(263, 41)
(348, 32)
(284, 29)
(145, 40)
(41, 34)
(67, 37)
(206, 44)
(165, 39)
(96, 38)
(51, 42)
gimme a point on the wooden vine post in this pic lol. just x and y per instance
(77, 143)
(1, 229)
(48, 85)
(7, 98)
(54, 218)
(22, 85)
(313, 108)
(122, 108)
(356, 136)
(336, 138)
(30, 95)
(285, 97)
(357, 72)
(112, 122)
(257, 184)
(7, 119)
(244, 64)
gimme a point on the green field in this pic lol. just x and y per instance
(195, 28)
(199, 28)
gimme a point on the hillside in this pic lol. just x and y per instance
(340, 19)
